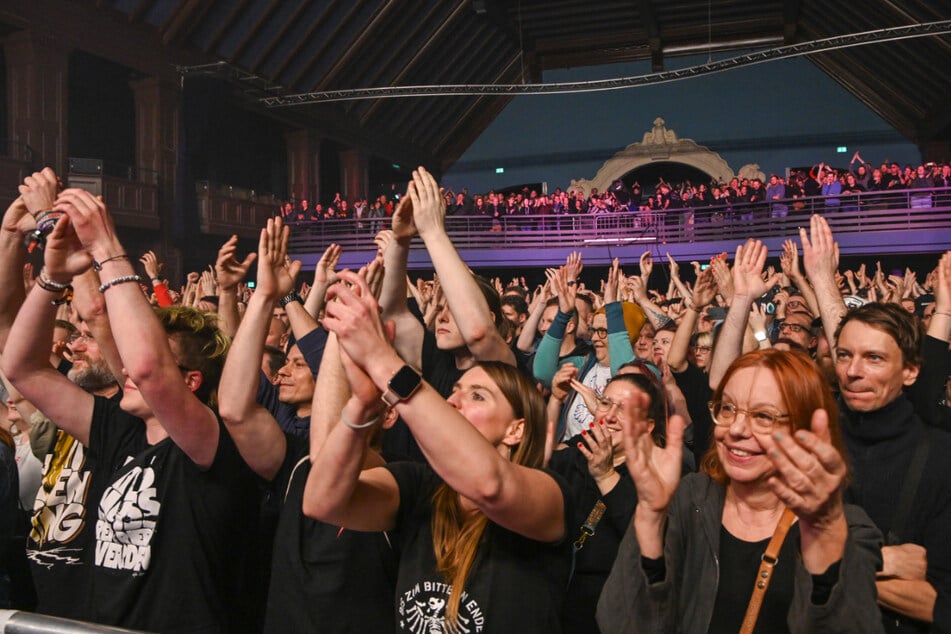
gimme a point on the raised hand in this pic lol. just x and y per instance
(820, 252)
(39, 190)
(561, 382)
(564, 288)
(353, 314)
(91, 222)
(429, 206)
(810, 472)
(595, 446)
(647, 265)
(403, 223)
(748, 270)
(17, 220)
(704, 290)
(325, 273)
(723, 277)
(655, 470)
(574, 265)
(275, 275)
(152, 265)
(229, 272)
(64, 256)
(674, 267)
(611, 286)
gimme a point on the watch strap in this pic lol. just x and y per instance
(290, 297)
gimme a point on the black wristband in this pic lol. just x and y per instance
(290, 297)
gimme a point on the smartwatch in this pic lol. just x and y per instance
(760, 335)
(290, 297)
(402, 385)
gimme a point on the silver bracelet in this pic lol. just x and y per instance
(119, 280)
(369, 423)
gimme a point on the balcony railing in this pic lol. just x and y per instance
(867, 213)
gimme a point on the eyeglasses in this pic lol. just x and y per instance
(760, 421)
(702, 348)
(793, 327)
(606, 404)
(795, 303)
(76, 338)
(598, 332)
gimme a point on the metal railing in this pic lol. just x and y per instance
(16, 622)
(854, 213)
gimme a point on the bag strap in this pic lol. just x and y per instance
(588, 529)
(909, 488)
(765, 573)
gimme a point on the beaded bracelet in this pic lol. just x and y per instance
(369, 423)
(119, 280)
(97, 266)
(49, 285)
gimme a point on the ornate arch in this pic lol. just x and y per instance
(658, 144)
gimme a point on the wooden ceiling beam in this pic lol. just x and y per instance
(279, 37)
(418, 56)
(325, 45)
(182, 20)
(356, 48)
(304, 40)
(254, 31)
(226, 25)
(791, 9)
(649, 21)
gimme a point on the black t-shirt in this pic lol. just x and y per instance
(325, 578)
(739, 563)
(63, 526)
(171, 538)
(515, 584)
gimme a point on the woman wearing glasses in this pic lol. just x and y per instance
(592, 463)
(690, 559)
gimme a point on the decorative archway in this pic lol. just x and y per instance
(658, 144)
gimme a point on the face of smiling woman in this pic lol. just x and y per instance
(743, 458)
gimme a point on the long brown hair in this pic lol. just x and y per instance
(6, 438)
(456, 533)
(803, 389)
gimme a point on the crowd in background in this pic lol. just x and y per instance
(367, 452)
(775, 196)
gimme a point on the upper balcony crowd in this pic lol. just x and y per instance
(744, 198)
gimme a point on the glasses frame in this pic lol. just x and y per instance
(777, 419)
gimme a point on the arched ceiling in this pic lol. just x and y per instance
(294, 46)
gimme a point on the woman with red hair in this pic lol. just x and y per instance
(691, 557)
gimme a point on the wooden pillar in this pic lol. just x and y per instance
(37, 89)
(303, 165)
(158, 106)
(354, 174)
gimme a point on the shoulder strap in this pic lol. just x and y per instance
(765, 573)
(909, 488)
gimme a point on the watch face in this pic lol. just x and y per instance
(405, 382)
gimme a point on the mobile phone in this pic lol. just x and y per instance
(251, 284)
(704, 267)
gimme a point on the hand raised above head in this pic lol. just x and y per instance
(429, 206)
(91, 221)
(276, 276)
(353, 314)
(39, 190)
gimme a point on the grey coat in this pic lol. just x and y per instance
(683, 601)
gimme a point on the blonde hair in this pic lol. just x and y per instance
(456, 533)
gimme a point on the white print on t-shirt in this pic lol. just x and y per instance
(422, 611)
(127, 516)
(59, 511)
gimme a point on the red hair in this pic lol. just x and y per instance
(802, 387)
